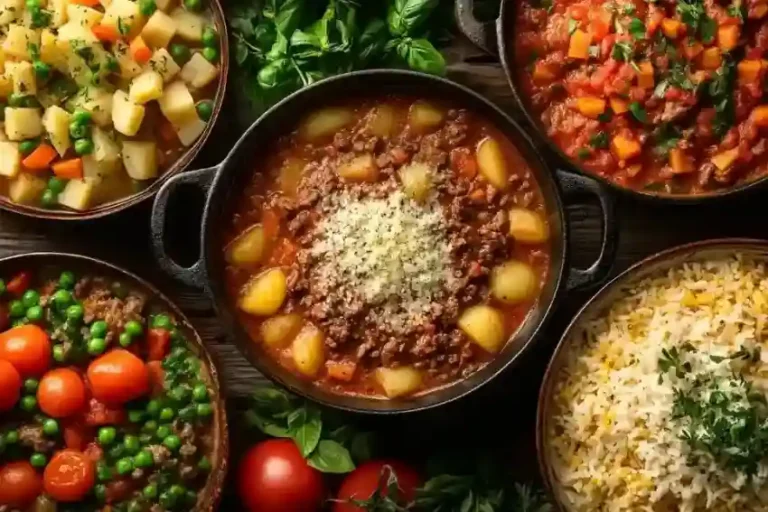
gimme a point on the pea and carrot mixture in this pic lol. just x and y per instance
(102, 404)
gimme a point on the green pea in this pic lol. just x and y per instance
(30, 298)
(210, 38)
(211, 54)
(12, 437)
(147, 7)
(32, 4)
(131, 444)
(150, 427)
(42, 70)
(62, 299)
(161, 322)
(180, 394)
(83, 146)
(56, 185)
(97, 346)
(38, 460)
(15, 100)
(75, 312)
(135, 416)
(16, 309)
(204, 110)
(99, 328)
(168, 500)
(50, 427)
(28, 146)
(79, 130)
(67, 280)
(143, 459)
(150, 491)
(153, 408)
(125, 339)
(103, 472)
(172, 442)
(133, 328)
(200, 393)
(30, 101)
(81, 116)
(106, 435)
(180, 53)
(59, 354)
(204, 410)
(49, 198)
(204, 464)
(112, 65)
(100, 492)
(2, 287)
(28, 403)
(167, 414)
(193, 5)
(30, 385)
(124, 466)
(163, 431)
(35, 314)
(40, 18)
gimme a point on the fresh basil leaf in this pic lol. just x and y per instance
(362, 446)
(372, 41)
(305, 425)
(305, 45)
(420, 55)
(636, 29)
(707, 29)
(266, 425)
(405, 17)
(271, 400)
(343, 434)
(691, 13)
(331, 457)
(638, 111)
(573, 25)
(665, 138)
(469, 504)
(279, 49)
(288, 17)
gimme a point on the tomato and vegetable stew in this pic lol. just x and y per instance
(665, 97)
(388, 246)
(103, 406)
(99, 99)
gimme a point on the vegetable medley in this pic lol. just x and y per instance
(103, 405)
(659, 96)
(99, 98)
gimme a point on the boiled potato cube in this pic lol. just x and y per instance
(491, 163)
(126, 115)
(83, 15)
(163, 63)
(26, 188)
(484, 325)
(93, 171)
(198, 72)
(189, 26)
(146, 87)
(189, 132)
(2, 61)
(177, 104)
(424, 117)
(397, 382)
(325, 122)
(123, 15)
(78, 194)
(381, 120)
(73, 31)
(58, 10)
(264, 294)
(23, 123)
(307, 351)
(140, 159)
(527, 226)
(290, 176)
(105, 148)
(279, 330)
(249, 248)
(10, 11)
(18, 41)
(10, 159)
(97, 101)
(51, 52)
(513, 282)
(23, 76)
(129, 68)
(417, 180)
(360, 168)
(56, 123)
(159, 30)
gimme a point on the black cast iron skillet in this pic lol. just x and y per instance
(225, 182)
(498, 37)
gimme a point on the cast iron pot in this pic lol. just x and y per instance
(180, 165)
(498, 37)
(603, 299)
(53, 263)
(224, 183)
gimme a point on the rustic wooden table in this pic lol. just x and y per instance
(503, 413)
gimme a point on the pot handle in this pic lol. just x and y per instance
(482, 34)
(575, 184)
(201, 178)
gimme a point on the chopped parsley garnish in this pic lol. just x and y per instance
(638, 111)
(691, 13)
(122, 26)
(583, 153)
(721, 92)
(628, 9)
(573, 25)
(636, 29)
(623, 50)
(599, 140)
(708, 29)
(605, 116)
(665, 138)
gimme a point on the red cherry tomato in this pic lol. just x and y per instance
(28, 348)
(118, 377)
(274, 477)
(19, 484)
(19, 283)
(363, 482)
(69, 476)
(10, 386)
(61, 393)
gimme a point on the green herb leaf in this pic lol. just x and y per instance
(583, 153)
(665, 138)
(331, 457)
(289, 16)
(305, 425)
(623, 50)
(405, 17)
(708, 29)
(372, 41)
(691, 13)
(599, 140)
(636, 29)
(638, 112)
(420, 55)
(573, 25)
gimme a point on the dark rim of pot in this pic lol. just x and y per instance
(214, 485)
(283, 118)
(653, 263)
(506, 33)
(179, 166)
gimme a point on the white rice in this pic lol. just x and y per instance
(614, 443)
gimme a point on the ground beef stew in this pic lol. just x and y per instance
(103, 407)
(388, 246)
(660, 96)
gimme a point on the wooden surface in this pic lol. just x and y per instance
(503, 412)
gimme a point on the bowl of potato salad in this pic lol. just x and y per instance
(102, 100)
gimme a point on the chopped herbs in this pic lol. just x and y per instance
(599, 140)
(583, 153)
(665, 138)
(636, 29)
(623, 50)
(605, 116)
(721, 93)
(708, 29)
(573, 25)
(691, 13)
(638, 112)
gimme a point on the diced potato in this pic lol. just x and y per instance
(23, 123)
(307, 350)
(722, 160)
(26, 188)
(728, 37)
(680, 161)
(527, 226)
(513, 282)
(189, 26)
(624, 147)
(125, 15)
(56, 123)
(749, 70)
(10, 11)
(290, 176)
(491, 163)
(424, 117)
(105, 148)
(159, 30)
(140, 159)
(10, 159)
(126, 115)
(97, 101)
(129, 68)
(249, 248)
(645, 78)
(78, 194)
(83, 15)
(23, 76)
(177, 104)
(94, 172)
(190, 131)
(760, 116)
(264, 294)
(484, 325)
(671, 27)
(544, 72)
(619, 105)
(198, 72)
(324, 123)
(279, 330)
(72, 31)
(18, 40)
(578, 46)
(590, 106)
(417, 180)
(400, 381)
(711, 59)
(381, 120)
(163, 63)
(146, 87)
(360, 168)
(51, 52)
(58, 10)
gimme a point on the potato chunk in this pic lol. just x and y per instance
(484, 325)
(58, 10)
(10, 159)
(159, 30)
(198, 72)
(18, 40)
(78, 194)
(189, 25)
(249, 248)
(146, 87)
(264, 294)
(424, 117)
(381, 120)
(10, 11)
(513, 282)
(397, 382)
(123, 14)
(23, 76)
(72, 31)
(51, 52)
(417, 180)
(527, 226)
(325, 122)
(140, 159)
(56, 123)
(105, 148)
(278, 331)
(26, 188)
(97, 101)
(177, 104)
(190, 131)
(290, 176)
(307, 350)
(491, 163)
(126, 115)
(360, 168)
(163, 63)
(23, 123)
(129, 68)
(83, 15)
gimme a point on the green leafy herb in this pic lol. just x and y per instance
(331, 457)
(599, 140)
(638, 112)
(623, 50)
(421, 56)
(736, 10)
(691, 13)
(665, 138)
(605, 116)
(583, 153)
(721, 93)
(708, 29)
(573, 25)
(636, 28)
(405, 17)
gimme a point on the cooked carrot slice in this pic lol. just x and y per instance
(341, 370)
(106, 33)
(40, 159)
(71, 169)
(140, 52)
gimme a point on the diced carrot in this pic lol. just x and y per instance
(758, 11)
(600, 24)
(645, 75)
(284, 253)
(40, 159)
(749, 70)
(158, 343)
(619, 105)
(71, 169)
(543, 73)
(760, 116)
(679, 161)
(671, 27)
(19, 283)
(590, 106)
(625, 147)
(691, 49)
(341, 370)
(270, 222)
(725, 159)
(140, 52)
(156, 377)
(728, 37)
(87, 3)
(463, 163)
(711, 58)
(105, 33)
(700, 76)
(578, 48)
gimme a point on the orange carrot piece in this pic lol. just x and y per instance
(106, 33)
(87, 3)
(71, 169)
(40, 159)
(140, 52)
(341, 370)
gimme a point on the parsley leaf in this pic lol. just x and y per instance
(638, 111)
(636, 29)
(583, 153)
(665, 138)
(721, 93)
(573, 25)
(707, 29)
(623, 50)
(599, 140)
(691, 13)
